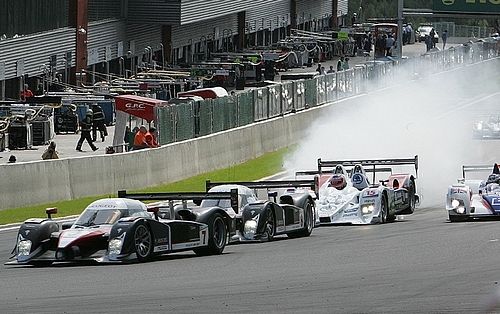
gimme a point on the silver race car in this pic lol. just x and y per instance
(487, 128)
(346, 195)
(471, 198)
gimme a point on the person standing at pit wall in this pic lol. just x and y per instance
(444, 37)
(389, 44)
(340, 64)
(140, 138)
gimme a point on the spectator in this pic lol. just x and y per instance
(380, 45)
(432, 35)
(345, 65)
(389, 43)
(151, 138)
(26, 93)
(332, 70)
(322, 71)
(428, 42)
(444, 37)
(318, 69)
(98, 123)
(86, 128)
(340, 64)
(140, 138)
(367, 45)
(50, 152)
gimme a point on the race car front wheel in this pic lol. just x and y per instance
(143, 242)
(217, 231)
(270, 228)
(308, 222)
(382, 215)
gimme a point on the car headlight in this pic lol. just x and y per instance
(367, 209)
(250, 229)
(24, 248)
(115, 246)
(458, 206)
(460, 210)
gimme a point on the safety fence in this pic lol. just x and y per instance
(198, 118)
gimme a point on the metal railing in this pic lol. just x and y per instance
(199, 118)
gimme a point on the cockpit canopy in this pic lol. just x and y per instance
(109, 211)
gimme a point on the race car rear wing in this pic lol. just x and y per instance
(268, 184)
(478, 168)
(183, 196)
(315, 172)
(265, 184)
(374, 163)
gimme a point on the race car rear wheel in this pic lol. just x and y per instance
(143, 243)
(411, 199)
(217, 231)
(308, 222)
(270, 228)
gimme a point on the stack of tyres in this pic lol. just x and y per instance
(65, 120)
(20, 136)
(41, 132)
(4, 141)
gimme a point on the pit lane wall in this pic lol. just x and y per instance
(51, 180)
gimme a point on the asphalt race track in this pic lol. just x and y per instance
(418, 264)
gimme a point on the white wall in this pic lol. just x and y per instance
(51, 180)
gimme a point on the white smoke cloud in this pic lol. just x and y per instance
(430, 117)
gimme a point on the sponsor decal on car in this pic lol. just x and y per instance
(357, 178)
(371, 193)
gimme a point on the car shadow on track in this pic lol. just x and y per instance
(161, 258)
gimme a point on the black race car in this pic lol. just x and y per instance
(123, 229)
(294, 214)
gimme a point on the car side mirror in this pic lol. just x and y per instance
(273, 194)
(154, 210)
(66, 225)
(51, 211)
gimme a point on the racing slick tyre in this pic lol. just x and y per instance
(270, 228)
(217, 236)
(143, 243)
(412, 199)
(382, 215)
(308, 222)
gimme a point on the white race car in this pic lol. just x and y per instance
(488, 127)
(346, 196)
(474, 198)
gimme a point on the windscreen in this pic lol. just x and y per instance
(93, 217)
(225, 203)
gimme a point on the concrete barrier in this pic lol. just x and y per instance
(52, 180)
